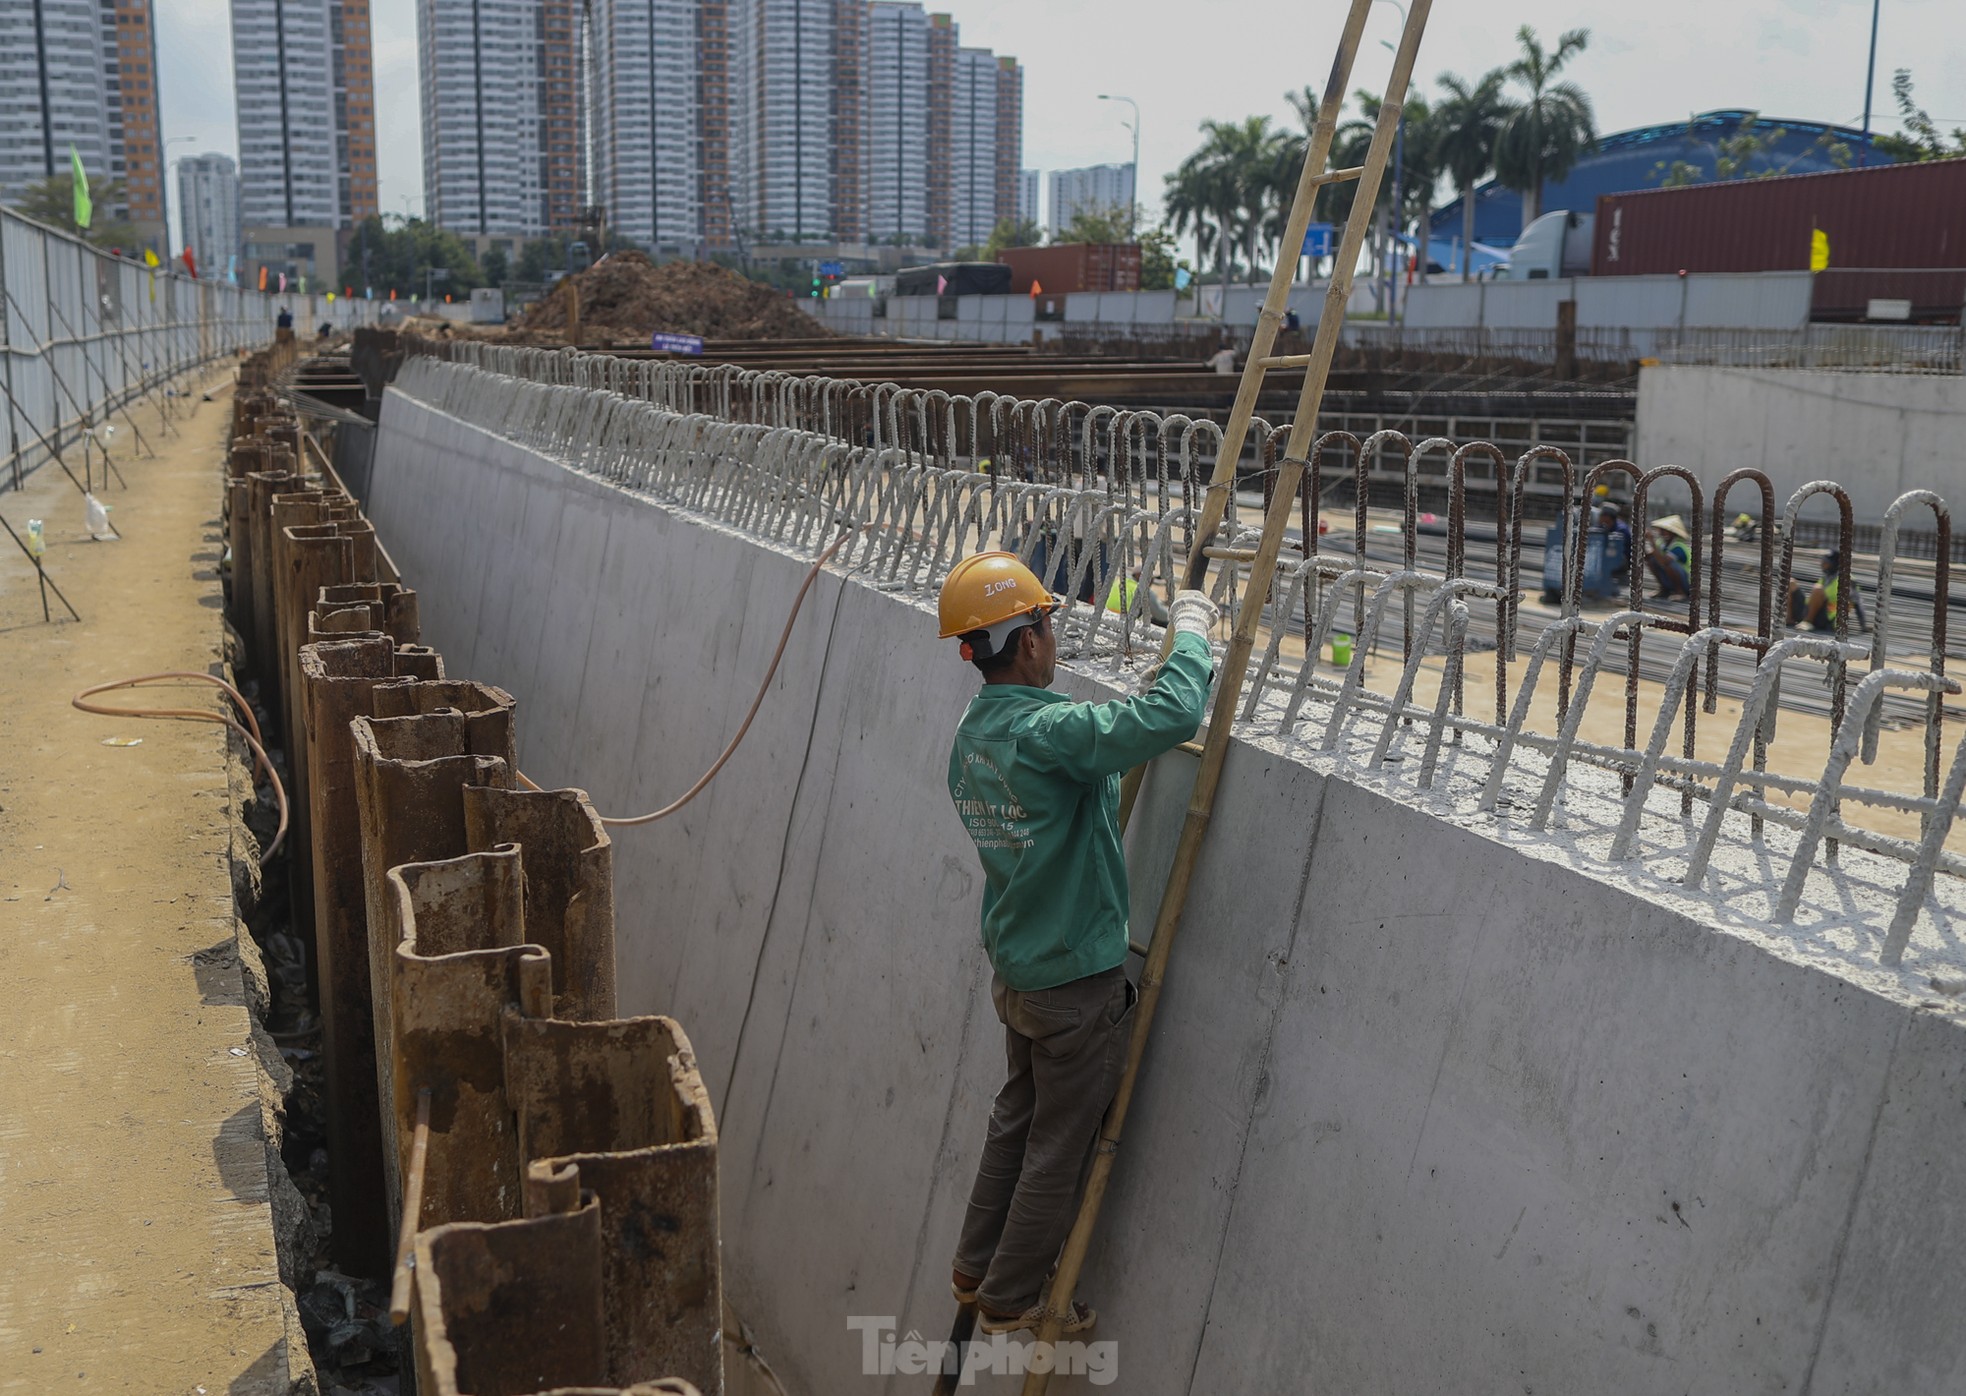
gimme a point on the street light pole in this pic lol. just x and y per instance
(1134, 202)
(183, 223)
(1870, 80)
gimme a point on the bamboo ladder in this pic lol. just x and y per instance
(1262, 569)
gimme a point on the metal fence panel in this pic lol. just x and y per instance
(84, 333)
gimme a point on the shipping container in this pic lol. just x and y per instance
(1890, 218)
(953, 279)
(1895, 216)
(1074, 266)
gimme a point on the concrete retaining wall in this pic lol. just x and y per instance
(1425, 1111)
(1880, 434)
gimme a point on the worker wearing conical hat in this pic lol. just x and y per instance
(1035, 777)
(1669, 555)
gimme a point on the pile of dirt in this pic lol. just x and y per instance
(626, 297)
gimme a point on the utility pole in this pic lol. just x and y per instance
(1134, 202)
(1870, 81)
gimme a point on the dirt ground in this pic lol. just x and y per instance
(624, 297)
(137, 1250)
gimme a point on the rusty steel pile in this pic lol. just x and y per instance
(538, 1174)
(1091, 494)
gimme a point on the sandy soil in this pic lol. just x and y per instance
(137, 1251)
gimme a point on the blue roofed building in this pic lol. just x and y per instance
(1642, 158)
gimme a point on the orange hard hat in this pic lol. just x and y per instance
(987, 589)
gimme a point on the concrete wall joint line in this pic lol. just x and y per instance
(1856, 1197)
(784, 852)
(1314, 825)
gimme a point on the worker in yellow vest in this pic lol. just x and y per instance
(1819, 611)
(1125, 588)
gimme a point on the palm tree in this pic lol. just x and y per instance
(1469, 119)
(1419, 176)
(1199, 196)
(1231, 178)
(1546, 133)
(1349, 144)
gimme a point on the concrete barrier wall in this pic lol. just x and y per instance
(1880, 434)
(1429, 1108)
(1757, 300)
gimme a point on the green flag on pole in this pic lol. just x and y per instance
(84, 208)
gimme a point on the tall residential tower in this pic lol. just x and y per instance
(645, 120)
(208, 204)
(704, 125)
(894, 147)
(83, 73)
(501, 114)
(305, 85)
(1093, 189)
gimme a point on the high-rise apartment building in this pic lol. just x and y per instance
(645, 119)
(709, 124)
(975, 137)
(713, 123)
(83, 73)
(1094, 189)
(852, 78)
(1027, 196)
(973, 143)
(783, 118)
(894, 153)
(1010, 143)
(354, 101)
(500, 88)
(942, 44)
(208, 205)
(304, 81)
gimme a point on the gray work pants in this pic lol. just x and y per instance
(1066, 1048)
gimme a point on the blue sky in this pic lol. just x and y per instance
(1231, 58)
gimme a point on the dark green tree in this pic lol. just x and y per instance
(1921, 139)
(1156, 258)
(51, 202)
(1746, 152)
(1231, 181)
(1012, 232)
(1098, 224)
(400, 256)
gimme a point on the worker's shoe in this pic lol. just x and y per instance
(965, 1294)
(1079, 1320)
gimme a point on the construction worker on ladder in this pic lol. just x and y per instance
(1036, 778)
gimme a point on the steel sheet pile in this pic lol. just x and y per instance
(557, 1163)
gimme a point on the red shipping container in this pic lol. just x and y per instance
(1887, 216)
(1074, 266)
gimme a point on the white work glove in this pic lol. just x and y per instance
(1192, 613)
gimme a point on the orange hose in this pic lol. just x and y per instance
(771, 672)
(250, 732)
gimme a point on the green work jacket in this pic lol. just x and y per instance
(1036, 779)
